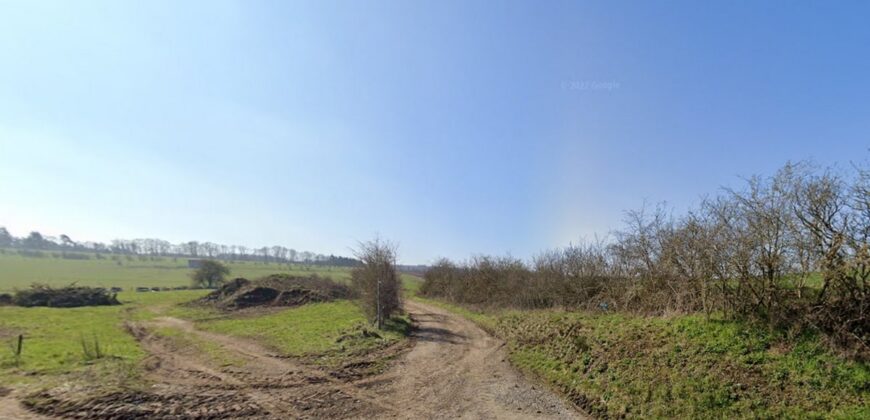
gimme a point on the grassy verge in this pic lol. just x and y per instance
(680, 367)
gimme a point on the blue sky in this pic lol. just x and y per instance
(452, 128)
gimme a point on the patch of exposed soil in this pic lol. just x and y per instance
(366, 363)
(279, 290)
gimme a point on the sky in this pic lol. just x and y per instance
(451, 128)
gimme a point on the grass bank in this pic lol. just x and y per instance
(679, 367)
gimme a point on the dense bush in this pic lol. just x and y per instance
(210, 274)
(790, 251)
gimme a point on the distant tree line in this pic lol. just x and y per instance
(416, 269)
(35, 242)
(790, 250)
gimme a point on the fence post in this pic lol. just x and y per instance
(379, 316)
(18, 349)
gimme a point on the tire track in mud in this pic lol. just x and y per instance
(171, 361)
(267, 364)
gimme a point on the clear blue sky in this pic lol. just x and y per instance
(452, 128)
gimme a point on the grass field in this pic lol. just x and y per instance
(53, 336)
(20, 272)
(17, 272)
(53, 345)
(680, 367)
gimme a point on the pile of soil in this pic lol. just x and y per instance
(276, 290)
(64, 297)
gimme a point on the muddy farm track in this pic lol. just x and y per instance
(453, 370)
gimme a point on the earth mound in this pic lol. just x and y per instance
(276, 290)
(71, 296)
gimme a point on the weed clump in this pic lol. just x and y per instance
(91, 349)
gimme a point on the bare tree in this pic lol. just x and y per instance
(376, 281)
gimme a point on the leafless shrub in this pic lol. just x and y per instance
(578, 276)
(483, 280)
(761, 226)
(835, 217)
(441, 279)
(377, 282)
(748, 253)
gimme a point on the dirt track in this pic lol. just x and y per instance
(454, 370)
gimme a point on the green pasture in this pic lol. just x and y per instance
(53, 337)
(130, 272)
